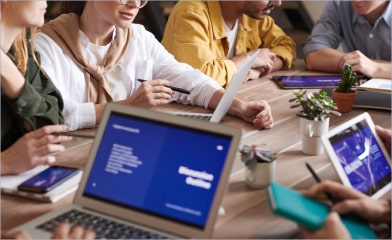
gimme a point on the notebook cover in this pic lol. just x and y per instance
(309, 212)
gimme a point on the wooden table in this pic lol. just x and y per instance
(247, 212)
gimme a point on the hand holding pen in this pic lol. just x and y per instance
(318, 179)
(181, 90)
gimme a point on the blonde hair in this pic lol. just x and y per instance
(21, 49)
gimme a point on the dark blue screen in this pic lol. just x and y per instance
(361, 158)
(160, 169)
(309, 81)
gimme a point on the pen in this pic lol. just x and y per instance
(181, 90)
(318, 179)
(73, 135)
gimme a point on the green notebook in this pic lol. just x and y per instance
(309, 212)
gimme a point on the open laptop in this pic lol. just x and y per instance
(227, 99)
(157, 172)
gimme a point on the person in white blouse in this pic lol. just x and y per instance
(95, 54)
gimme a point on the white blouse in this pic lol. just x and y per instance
(145, 58)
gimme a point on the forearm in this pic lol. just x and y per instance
(325, 60)
(383, 69)
(12, 81)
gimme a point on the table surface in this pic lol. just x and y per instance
(247, 214)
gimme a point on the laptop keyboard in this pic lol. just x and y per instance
(104, 228)
(195, 116)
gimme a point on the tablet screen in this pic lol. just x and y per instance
(361, 158)
(308, 81)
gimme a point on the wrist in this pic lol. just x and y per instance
(387, 212)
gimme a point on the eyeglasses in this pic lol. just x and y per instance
(135, 4)
(269, 5)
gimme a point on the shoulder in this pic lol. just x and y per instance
(190, 5)
(194, 8)
(140, 33)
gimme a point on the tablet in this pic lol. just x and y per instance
(307, 81)
(359, 156)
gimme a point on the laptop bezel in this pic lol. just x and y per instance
(155, 222)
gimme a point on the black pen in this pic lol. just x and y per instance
(181, 90)
(73, 135)
(318, 179)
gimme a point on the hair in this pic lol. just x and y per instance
(21, 50)
(76, 7)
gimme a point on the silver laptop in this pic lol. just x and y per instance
(161, 174)
(227, 98)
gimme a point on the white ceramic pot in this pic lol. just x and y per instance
(261, 175)
(311, 135)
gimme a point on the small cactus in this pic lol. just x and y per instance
(348, 80)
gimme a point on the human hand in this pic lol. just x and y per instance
(258, 113)
(64, 231)
(359, 63)
(333, 228)
(151, 93)
(350, 200)
(385, 135)
(264, 62)
(34, 148)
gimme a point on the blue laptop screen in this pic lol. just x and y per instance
(362, 159)
(158, 168)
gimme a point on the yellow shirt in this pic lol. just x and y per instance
(195, 34)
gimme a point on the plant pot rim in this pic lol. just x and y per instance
(351, 91)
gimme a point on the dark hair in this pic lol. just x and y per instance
(76, 7)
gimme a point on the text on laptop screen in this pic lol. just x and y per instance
(161, 169)
(361, 158)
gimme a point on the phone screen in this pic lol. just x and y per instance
(48, 179)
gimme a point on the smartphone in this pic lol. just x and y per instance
(48, 179)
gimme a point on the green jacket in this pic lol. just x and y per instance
(39, 104)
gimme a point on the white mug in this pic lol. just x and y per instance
(261, 175)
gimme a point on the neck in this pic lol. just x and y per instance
(95, 29)
(8, 35)
(374, 15)
(230, 12)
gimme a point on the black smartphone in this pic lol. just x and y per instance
(48, 179)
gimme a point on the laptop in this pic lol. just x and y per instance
(157, 172)
(231, 91)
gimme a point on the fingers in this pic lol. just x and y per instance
(154, 92)
(61, 231)
(64, 231)
(264, 120)
(337, 190)
(263, 116)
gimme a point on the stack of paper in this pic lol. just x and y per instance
(377, 85)
(9, 185)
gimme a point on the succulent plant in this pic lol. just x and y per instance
(315, 106)
(251, 155)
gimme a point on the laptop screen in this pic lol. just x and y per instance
(158, 168)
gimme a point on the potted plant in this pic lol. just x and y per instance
(344, 95)
(314, 118)
(260, 165)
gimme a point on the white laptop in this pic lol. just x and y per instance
(161, 173)
(227, 99)
(359, 156)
